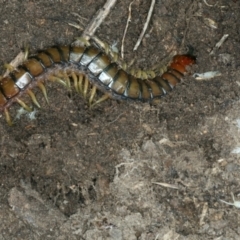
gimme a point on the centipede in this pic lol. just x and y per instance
(81, 66)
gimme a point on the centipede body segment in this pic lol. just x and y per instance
(84, 66)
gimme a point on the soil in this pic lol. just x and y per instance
(125, 170)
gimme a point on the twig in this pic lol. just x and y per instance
(206, 75)
(235, 203)
(166, 185)
(205, 1)
(145, 25)
(97, 20)
(219, 44)
(15, 62)
(125, 31)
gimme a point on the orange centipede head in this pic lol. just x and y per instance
(184, 60)
(180, 62)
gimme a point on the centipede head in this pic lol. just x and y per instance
(181, 62)
(184, 60)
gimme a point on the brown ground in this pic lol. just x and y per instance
(76, 173)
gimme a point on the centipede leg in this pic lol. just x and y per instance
(9, 67)
(124, 66)
(103, 98)
(75, 81)
(26, 51)
(23, 56)
(83, 40)
(85, 87)
(139, 74)
(108, 49)
(24, 105)
(67, 80)
(151, 73)
(144, 75)
(80, 83)
(33, 97)
(44, 91)
(92, 94)
(8, 118)
(57, 79)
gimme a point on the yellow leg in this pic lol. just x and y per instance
(85, 87)
(8, 118)
(80, 83)
(103, 98)
(92, 94)
(33, 97)
(26, 51)
(44, 91)
(84, 41)
(144, 75)
(24, 105)
(63, 79)
(9, 67)
(75, 81)
(57, 79)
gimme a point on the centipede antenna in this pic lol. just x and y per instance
(92, 94)
(103, 98)
(85, 87)
(8, 118)
(24, 105)
(44, 91)
(33, 97)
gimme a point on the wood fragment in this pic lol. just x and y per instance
(206, 75)
(205, 1)
(219, 44)
(125, 30)
(145, 25)
(97, 20)
(203, 214)
(15, 62)
(166, 185)
(235, 203)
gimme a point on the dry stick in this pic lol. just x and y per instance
(97, 20)
(219, 44)
(145, 25)
(15, 62)
(205, 1)
(125, 30)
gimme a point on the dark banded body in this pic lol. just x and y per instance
(98, 67)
